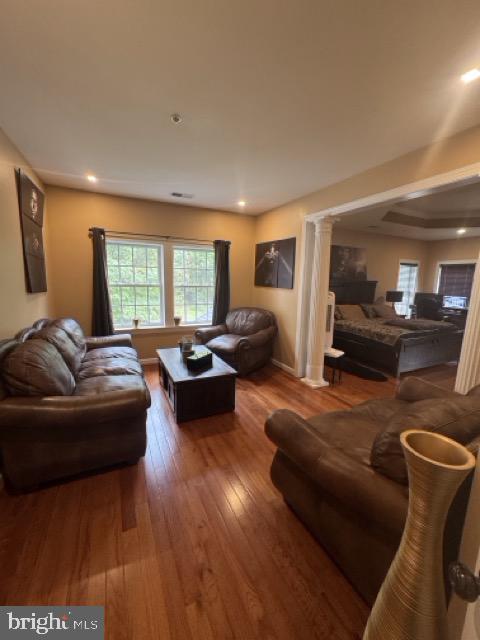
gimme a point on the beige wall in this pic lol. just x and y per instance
(19, 308)
(72, 212)
(458, 249)
(384, 254)
(447, 155)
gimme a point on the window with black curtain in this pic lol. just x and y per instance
(456, 279)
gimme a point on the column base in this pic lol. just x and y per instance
(314, 384)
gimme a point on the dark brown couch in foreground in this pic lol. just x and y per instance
(68, 404)
(245, 341)
(344, 474)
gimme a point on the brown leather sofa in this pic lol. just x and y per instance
(68, 404)
(343, 473)
(245, 341)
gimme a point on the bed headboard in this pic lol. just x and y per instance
(354, 292)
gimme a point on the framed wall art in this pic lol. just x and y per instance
(31, 201)
(275, 263)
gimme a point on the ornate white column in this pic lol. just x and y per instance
(318, 303)
(468, 374)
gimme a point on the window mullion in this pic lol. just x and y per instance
(168, 283)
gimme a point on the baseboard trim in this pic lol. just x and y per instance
(283, 366)
(148, 360)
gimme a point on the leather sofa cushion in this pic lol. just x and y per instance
(474, 391)
(457, 418)
(104, 384)
(340, 432)
(109, 367)
(248, 320)
(111, 352)
(227, 343)
(71, 353)
(353, 431)
(74, 330)
(36, 368)
(414, 389)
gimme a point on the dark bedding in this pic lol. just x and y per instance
(389, 331)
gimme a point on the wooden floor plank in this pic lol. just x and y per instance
(194, 541)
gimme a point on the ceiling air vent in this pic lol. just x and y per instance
(177, 194)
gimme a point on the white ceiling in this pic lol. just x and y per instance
(459, 203)
(279, 98)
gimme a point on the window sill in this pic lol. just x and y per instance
(175, 329)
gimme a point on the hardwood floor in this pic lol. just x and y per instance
(193, 542)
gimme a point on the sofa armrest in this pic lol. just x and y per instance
(203, 335)
(258, 339)
(118, 340)
(368, 493)
(58, 416)
(414, 389)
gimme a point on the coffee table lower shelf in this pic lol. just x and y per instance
(196, 395)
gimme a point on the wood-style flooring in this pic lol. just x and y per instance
(193, 543)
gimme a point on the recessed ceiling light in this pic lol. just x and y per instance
(91, 177)
(470, 76)
(461, 231)
(241, 203)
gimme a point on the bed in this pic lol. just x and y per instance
(393, 344)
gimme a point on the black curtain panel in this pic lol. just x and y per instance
(221, 302)
(102, 322)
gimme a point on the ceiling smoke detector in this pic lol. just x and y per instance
(176, 118)
(177, 194)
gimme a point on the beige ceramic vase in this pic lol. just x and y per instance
(411, 604)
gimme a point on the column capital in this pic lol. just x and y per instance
(324, 224)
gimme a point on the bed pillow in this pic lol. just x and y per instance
(385, 311)
(369, 311)
(351, 312)
(456, 418)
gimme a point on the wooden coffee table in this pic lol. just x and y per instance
(195, 394)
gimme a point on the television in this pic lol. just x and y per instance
(455, 302)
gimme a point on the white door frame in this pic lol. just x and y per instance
(434, 184)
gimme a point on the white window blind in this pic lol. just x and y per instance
(407, 282)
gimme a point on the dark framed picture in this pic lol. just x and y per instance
(275, 264)
(347, 264)
(31, 200)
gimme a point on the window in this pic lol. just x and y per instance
(407, 282)
(135, 278)
(156, 281)
(456, 279)
(194, 283)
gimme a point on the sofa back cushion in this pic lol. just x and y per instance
(36, 368)
(457, 418)
(246, 321)
(60, 339)
(74, 332)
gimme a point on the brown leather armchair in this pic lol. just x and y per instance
(245, 341)
(343, 473)
(68, 404)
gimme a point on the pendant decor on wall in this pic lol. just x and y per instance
(275, 263)
(31, 200)
(411, 604)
